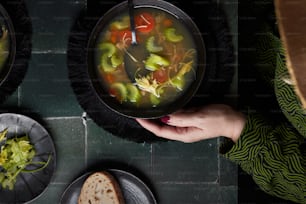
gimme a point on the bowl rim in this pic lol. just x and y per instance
(8, 65)
(152, 112)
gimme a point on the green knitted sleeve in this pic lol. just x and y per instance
(274, 157)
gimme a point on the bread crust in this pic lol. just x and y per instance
(101, 188)
(291, 19)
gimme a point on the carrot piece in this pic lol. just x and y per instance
(167, 22)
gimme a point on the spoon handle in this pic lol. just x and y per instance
(132, 22)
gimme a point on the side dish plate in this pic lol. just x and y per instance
(29, 185)
(134, 190)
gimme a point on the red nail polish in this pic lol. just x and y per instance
(165, 119)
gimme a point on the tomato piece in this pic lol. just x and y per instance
(113, 93)
(125, 34)
(144, 22)
(120, 35)
(160, 75)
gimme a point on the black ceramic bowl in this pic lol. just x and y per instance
(158, 110)
(29, 186)
(7, 56)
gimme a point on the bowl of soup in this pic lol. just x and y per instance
(158, 75)
(7, 44)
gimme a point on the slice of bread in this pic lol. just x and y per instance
(101, 188)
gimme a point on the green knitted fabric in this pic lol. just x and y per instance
(287, 99)
(271, 64)
(269, 50)
(273, 157)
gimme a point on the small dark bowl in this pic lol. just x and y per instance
(152, 112)
(29, 186)
(8, 64)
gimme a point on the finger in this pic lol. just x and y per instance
(183, 134)
(183, 119)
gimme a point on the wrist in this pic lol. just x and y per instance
(238, 124)
(232, 122)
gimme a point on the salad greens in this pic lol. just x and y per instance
(15, 155)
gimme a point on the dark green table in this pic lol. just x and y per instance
(176, 172)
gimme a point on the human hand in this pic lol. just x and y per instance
(197, 124)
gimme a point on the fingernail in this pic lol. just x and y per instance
(165, 119)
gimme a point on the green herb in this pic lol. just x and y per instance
(15, 155)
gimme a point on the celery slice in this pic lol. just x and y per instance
(133, 93)
(178, 82)
(116, 60)
(171, 35)
(121, 91)
(151, 47)
(154, 100)
(107, 48)
(106, 64)
(122, 24)
(109, 60)
(154, 62)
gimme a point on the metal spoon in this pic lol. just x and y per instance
(135, 49)
(132, 22)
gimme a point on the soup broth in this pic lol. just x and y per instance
(157, 70)
(4, 45)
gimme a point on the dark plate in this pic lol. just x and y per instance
(29, 185)
(134, 190)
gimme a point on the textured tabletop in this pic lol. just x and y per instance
(176, 172)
